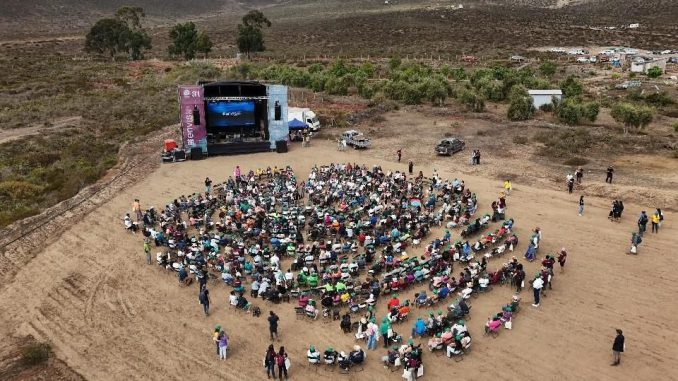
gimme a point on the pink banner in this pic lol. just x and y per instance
(191, 101)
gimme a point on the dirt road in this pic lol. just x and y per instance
(111, 317)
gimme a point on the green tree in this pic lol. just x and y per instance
(435, 90)
(257, 19)
(107, 36)
(548, 68)
(520, 104)
(184, 38)
(572, 87)
(203, 44)
(250, 34)
(473, 101)
(590, 111)
(569, 111)
(630, 115)
(137, 37)
(655, 72)
(131, 16)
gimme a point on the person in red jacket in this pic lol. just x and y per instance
(361, 239)
(394, 302)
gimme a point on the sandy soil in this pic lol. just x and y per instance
(111, 317)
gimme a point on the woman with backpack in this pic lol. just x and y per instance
(269, 361)
(280, 360)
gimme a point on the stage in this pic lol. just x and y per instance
(233, 117)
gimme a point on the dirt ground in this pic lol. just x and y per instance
(111, 317)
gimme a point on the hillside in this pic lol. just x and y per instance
(37, 17)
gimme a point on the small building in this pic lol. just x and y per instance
(643, 64)
(544, 97)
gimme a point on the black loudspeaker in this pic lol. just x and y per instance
(196, 153)
(280, 146)
(277, 110)
(196, 116)
(180, 155)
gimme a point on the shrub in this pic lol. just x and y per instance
(675, 126)
(520, 139)
(569, 112)
(590, 111)
(546, 107)
(659, 99)
(631, 115)
(472, 100)
(572, 87)
(548, 68)
(35, 354)
(576, 161)
(655, 72)
(520, 106)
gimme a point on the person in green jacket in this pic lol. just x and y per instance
(384, 328)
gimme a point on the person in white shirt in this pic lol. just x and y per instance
(483, 282)
(263, 287)
(275, 261)
(537, 285)
(233, 299)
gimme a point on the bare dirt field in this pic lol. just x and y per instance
(111, 317)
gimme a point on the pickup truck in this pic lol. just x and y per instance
(448, 146)
(355, 139)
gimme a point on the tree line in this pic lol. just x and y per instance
(124, 34)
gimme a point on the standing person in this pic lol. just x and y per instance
(384, 330)
(621, 208)
(136, 208)
(519, 278)
(579, 174)
(208, 185)
(410, 166)
(655, 222)
(569, 182)
(636, 239)
(399, 152)
(610, 172)
(537, 285)
(223, 345)
(273, 325)
(478, 157)
(473, 157)
(507, 187)
(618, 348)
(642, 223)
(581, 205)
(147, 249)
(269, 361)
(562, 257)
(215, 337)
(371, 334)
(236, 173)
(280, 360)
(661, 217)
(204, 298)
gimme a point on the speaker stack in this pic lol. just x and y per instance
(196, 153)
(281, 146)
